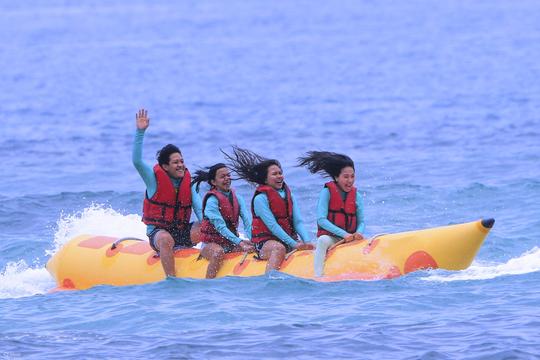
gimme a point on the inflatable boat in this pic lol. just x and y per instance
(90, 260)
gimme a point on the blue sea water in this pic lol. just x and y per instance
(438, 103)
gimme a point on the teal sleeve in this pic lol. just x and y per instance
(322, 214)
(262, 210)
(245, 214)
(196, 202)
(145, 171)
(360, 213)
(211, 211)
(298, 222)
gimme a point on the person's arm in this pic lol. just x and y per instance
(322, 215)
(262, 210)
(211, 211)
(298, 222)
(360, 213)
(245, 214)
(145, 171)
(196, 202)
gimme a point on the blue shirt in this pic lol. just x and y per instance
(322, 214)
(149, 178)
(261, 207)
(212, 213)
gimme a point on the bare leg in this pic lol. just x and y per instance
(195, 234)
(214, 254)
(274, 252)
(165, 244)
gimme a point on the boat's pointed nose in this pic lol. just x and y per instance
(488, 223)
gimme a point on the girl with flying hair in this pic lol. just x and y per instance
(340, 209)
(276, 216)
(221, 212)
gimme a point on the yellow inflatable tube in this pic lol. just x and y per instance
(87, 260)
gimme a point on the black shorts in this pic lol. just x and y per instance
(182, 238)
(227, 248)
(259, 246)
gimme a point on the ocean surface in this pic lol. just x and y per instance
(438, 103)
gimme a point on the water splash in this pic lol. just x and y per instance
(99, 220)
(19, 280)
(527, 262)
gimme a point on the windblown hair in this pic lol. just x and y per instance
(249, 165)
(163, 155)
(325, 162)
(206, 175)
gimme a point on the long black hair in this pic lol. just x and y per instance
(206, 175)
(249, 165)
(325, 162)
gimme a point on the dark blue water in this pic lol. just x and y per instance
(438, 102)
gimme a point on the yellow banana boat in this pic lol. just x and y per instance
(87, 260)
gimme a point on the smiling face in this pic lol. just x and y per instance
(175, 168)
(222, 181)
(345, 180)
(274, 177)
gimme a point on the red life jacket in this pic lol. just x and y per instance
(282, 210)
(229, 211)
(168, 208)
(340, 213)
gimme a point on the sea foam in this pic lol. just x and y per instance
(18, 279)
(527, 262)
(97, 219)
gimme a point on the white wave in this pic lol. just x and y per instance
(99, 220)
(19, 280)
(526, 263)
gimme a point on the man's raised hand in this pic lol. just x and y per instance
(142, 120)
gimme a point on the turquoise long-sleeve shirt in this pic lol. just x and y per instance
(212, 213)
(322, 213)
(147, 174)
(261, 207)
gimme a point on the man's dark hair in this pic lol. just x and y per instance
(163, 156)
